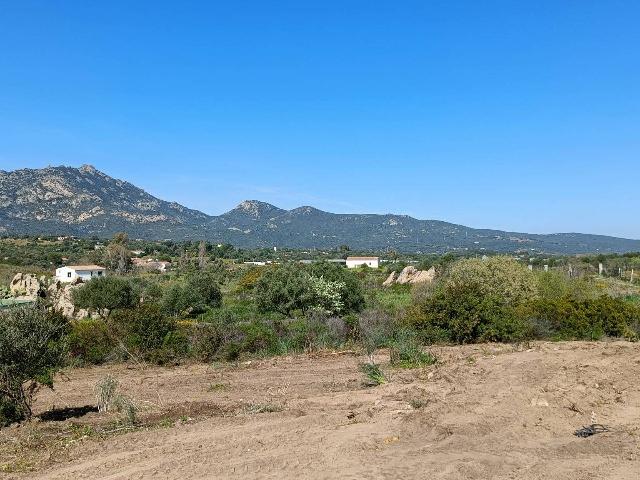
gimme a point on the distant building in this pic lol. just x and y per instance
(85, 272)
(353, 262)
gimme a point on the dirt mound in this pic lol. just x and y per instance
(484, 411)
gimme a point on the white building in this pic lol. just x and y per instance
(353, 262)
(85, 272)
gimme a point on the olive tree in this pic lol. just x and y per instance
(32, 349)
(104, 294)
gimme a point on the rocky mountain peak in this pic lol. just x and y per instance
(256, 209)
(305, 210)
(86, 168)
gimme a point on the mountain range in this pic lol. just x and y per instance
(86, 202)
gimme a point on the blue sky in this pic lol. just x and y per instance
(522, 116)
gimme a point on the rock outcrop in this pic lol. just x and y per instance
(391, 279)
(410, 275)
(61, 298)
(27, 286)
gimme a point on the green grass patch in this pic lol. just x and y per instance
(373, 373)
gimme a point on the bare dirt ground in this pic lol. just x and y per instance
(484, 411)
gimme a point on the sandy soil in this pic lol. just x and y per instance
(484, 411)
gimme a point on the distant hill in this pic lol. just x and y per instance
(84, 201)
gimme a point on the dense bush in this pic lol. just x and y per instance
(199, 293)
(206, 340)
(498, 300)
(351, 294)
(467, 316)
(500, 277)
(570, 318)
(257, 336)
(314, 332)
(476, 300)
(144, 330)
(32, 348)
(323, 287)
(104, 294)
(90, 341)
(555, 285)
(283, 289)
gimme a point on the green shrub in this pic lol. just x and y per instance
(322, 286)
(405, 351)
(569, 318)
(33, 347)
(373, 373)
(231, 351)
(90, 341)
(555, 285)
(351, 294)
(104, 294)
(476, 300)
(206, 286)
(142, 329)
(258, 337)
(234, 312)
(464, 315)
(199, 293)
(284, 289)
(316, 331)
(500, 277)
(205, 340)
(175, 345)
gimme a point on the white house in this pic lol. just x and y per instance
(353, 262)
(85, 272)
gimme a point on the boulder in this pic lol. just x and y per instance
(27, 286)
(406, 275)
(61, 296)
(411, 275)
(390, 280)
(424, 276)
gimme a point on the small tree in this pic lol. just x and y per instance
(284, 289)
(105, 294)
(32, 350)
(117, 254)
(196, 295)
(205, 284)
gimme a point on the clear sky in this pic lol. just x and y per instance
(518, 115)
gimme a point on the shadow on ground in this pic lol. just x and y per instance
(62, 414)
